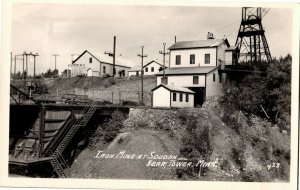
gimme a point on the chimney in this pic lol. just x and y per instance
(175, 39)
(210, 36)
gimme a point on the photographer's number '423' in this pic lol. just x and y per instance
(273, 165)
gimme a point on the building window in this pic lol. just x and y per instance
(104, 69)
(214, 77)
(180, 97)
(174, 97)
(207, 58)
(91, 60)
(192, 59)
(195, 79)
(178, 59)
(152, 69)
(146, 69)
(187, 97)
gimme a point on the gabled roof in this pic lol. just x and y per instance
(135, 68)
(188, 70)
(199, 44)
(153, 62)
(138, 68)
(174, 88)
(104, 58)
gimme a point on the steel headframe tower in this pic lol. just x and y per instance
(251, 39)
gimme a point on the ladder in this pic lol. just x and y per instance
(57, 161)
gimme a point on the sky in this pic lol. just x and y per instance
(67, 29)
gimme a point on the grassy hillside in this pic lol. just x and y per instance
(243, 154)
(103, 89)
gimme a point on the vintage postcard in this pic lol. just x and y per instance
(151, 95)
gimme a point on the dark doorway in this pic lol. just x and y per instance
(199, 96)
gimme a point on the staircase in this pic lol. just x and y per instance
(58, 162)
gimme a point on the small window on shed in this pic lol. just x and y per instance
(187, 97)
(104, 69)
(195, 79)
(180, 97)
(152, 69)
(207, 58)
(174, 96)
(178, 59)
(146, 69)
(91, 60)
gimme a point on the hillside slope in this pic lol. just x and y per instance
(114, 90)
(194, 134)
(138, 142)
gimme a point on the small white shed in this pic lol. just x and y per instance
(171, 96)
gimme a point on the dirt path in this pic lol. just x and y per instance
(139, 142)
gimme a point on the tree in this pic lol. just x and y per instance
(265, 93)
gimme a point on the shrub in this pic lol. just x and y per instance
(106, 75)
(109, 129)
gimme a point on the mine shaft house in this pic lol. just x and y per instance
(193, 67)
(151, 68)
(98, 65)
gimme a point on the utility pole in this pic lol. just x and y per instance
(15, 65)
(16, 58)
(164, 53)
(55, 55)
(11, 60)
(34, 55)
(26, 70)
(142, 71)
(114, 57)
(23, 64)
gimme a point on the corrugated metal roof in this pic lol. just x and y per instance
(188, 70)
(174, 88)
(197, 44)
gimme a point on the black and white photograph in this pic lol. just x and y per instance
(152, 92)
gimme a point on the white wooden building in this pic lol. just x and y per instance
(171, 96)
(151, 68)
(98, 65)
(195, 65)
